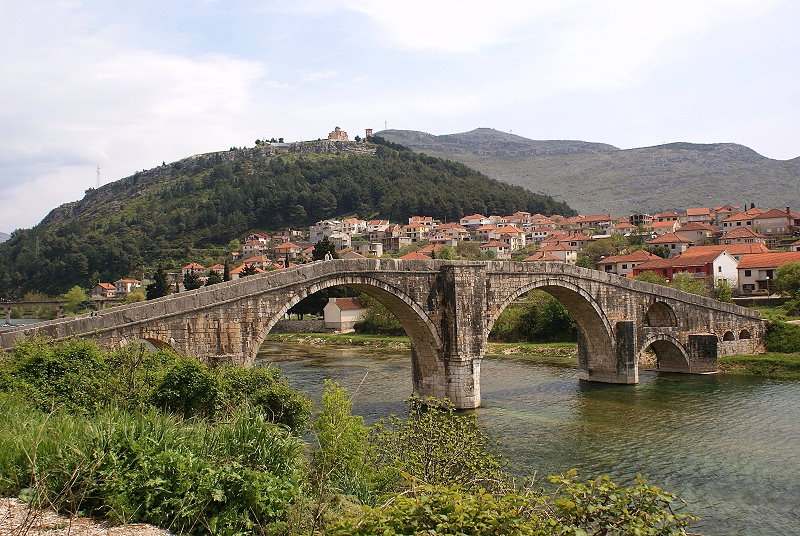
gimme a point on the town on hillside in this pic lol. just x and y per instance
(740, 246)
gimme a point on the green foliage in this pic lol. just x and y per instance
(723, 291)
(436, 445)
(192, 281)
(600, 506)
(444, 510)
(74, 297)
(660, 250)
(771, 365)
(378, 320)
(651, 277)
(344, 458)
(135, 296)
(688, 283)
(599, 249)
(536, 317)
(213, 278)
(248, 270)
(77, 376)
(188, 388)
(787, 280)
(783, 337)
(323, 248)
(239, 477)
(160, 286)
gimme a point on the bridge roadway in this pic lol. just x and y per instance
(447, 309)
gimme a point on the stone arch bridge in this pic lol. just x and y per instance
(447, 308)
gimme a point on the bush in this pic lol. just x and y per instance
(782, 337)
(188, 389)
(436, 445)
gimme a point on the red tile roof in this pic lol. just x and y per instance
(348, 304)
(769, 260)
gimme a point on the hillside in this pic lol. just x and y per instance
(596, 178)
(190, 210)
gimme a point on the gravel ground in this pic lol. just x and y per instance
(17, 519)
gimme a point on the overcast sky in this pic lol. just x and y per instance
(125, 85)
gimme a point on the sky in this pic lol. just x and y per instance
(127, 85)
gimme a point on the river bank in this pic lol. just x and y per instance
(770, 365)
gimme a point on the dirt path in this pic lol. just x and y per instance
(17, 519)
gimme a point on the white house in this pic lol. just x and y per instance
(341, 314)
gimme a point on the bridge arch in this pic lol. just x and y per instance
(671, 355)
(425, 339)
(595, 342)
(659, 314)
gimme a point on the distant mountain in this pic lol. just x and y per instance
(599, 178)
(4, 237)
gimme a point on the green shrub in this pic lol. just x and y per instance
(188, 389)
(436, 445)
(782, 337)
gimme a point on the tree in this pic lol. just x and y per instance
(135, 296)
(192, 281)
(660, 250)
(322, 248)
(74, 297)
(160, 286)
(213, 278)
(651, 277)
(787, 280)
(248, 270)
(723, 291)
(688, 283)
(226, 273)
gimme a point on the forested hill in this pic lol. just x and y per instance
(191, 209)
(596, 178)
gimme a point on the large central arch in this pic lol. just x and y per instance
(426, 343)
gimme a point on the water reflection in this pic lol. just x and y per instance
(729, 446)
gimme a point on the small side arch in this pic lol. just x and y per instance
(745, 334)
(671, 356)
(729, 336)
(659, 314)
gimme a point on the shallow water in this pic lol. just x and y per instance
(729, 446)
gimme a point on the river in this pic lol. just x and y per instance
(729, 446)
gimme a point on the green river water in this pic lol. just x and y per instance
(729, 446)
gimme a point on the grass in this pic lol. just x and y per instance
(770, 365)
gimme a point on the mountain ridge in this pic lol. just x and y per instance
(598, 178)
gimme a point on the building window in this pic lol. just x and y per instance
(719, 268)
(624, 266)
(748, 273)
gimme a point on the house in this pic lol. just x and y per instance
(473, 221)
(218, 268)
(484, 232)
(742, 235)
(288, 250)
(258, 237)
(698, 232)
(669, 215)
(701, 214)
(660, 228)
(501, 250)
(416, 232)
(324, 228)
(254, 247)
(353, 226)
(542, 256)
(236, 273)
(259, 261)
(194, 268)
(721, 266)
(737, 250)
(363, 248)
(795, 246)
(415, 256)
(508, 234)
(342, 314)
(757, 272)
(595, 222)
(623, 228)
(675, 243)
(126, 286)
(427, 221)
(104, 290)
(624, 264)
(350, 254)
(577, 240)
(562, 251)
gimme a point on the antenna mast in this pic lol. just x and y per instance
(98, 176)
